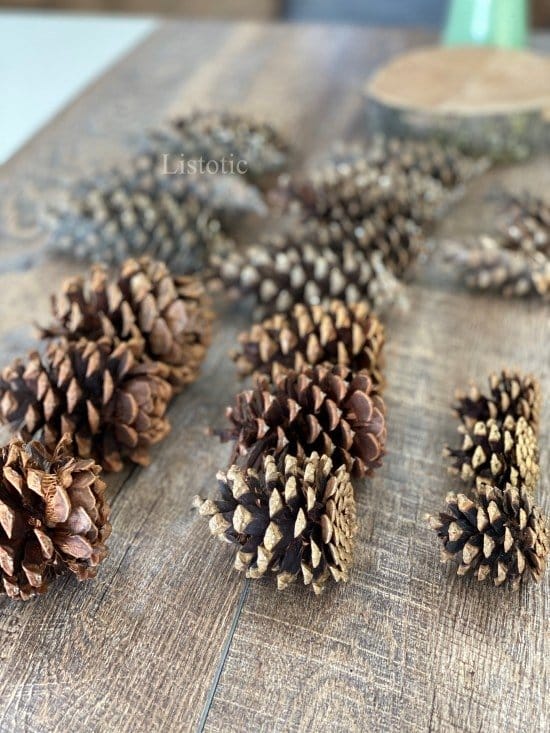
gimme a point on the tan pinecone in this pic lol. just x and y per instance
(99, 392)
(297, 520)
(498, 535)
(221, 135)
(309, 335)
(134, 211)
(327, 409)
(165, 318)
(54, 517)
(511, 395)
(303, 267)
(526, 225)
(492, 452)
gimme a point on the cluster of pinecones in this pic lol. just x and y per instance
(496, 531)
(313, 418)
(515, 261)
(117, 351)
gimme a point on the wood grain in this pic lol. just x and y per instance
(169, 638)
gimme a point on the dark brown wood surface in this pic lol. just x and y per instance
(169, 637)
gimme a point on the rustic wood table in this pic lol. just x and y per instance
(169, 637)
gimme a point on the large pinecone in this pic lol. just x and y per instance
(112, 403)
(303, 267)
(499, 535)
(163, 317)
(309, 335)
(328, 409)
(511, 395)
(493, 452)
(53, 516)
(135, 211)
(218, 136)
(298, 520)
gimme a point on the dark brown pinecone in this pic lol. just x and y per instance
(511, 395)
(499, 535)
(309, 335)
(526, 225)
(303, 267)
(163, 317)
(491, 266)
(97, 391)
(136, 211)
(298, 520)
(54, 517)
(327, 409)
(492, 452)
(225, 136)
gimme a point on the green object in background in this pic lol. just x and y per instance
(501, 23)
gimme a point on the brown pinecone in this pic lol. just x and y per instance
(97, 391)
(526, 225)
(327, 409)
(302, 267)
(309, 335)
(511, 273)
(493, 452)
(218, 136)
(499, 535)
(298, 520)
(511, 395)
(54, 517)
(136, 211)
(163, 317)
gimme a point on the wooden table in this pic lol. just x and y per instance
(169, 637)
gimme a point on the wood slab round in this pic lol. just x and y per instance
(487, 100)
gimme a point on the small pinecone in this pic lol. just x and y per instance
(499, 535)
(166, 318)
(526, 225)
(511, 395)
(302, 267)
(503, 456)
(298, 521)
(490, 266)
(218, 136)
(137, 211)
(112, 404)
(54, 517)
(327, 409)
(309, 335)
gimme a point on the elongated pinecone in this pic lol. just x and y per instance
(328, 409)
(490, 266)
(493, 452)
(217, 136)
(135, 211)
(498, 535)
(298, 521)
(309, 335)
(526, 225)
(302, 267)
(511, 395)
(54, 517)
(111, 403)
(163, 317)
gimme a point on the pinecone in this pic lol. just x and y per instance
(511, 395)
(136, 211)
(327, 409)
(97, 391)
(511, 273)
(165, 318)
(526, 225)
(297, 521)
(348, 335)
(53, 516)
(499, 535)
(302, 267)
(233, 138)
(490, 451)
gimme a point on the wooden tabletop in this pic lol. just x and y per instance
(169, 637)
